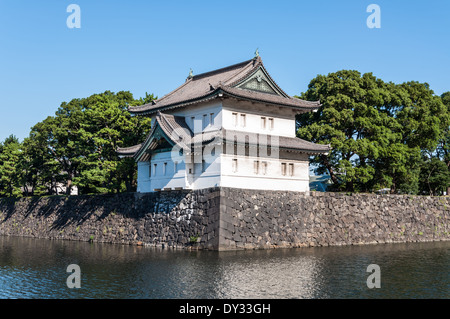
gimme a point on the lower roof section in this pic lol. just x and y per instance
(176, 132)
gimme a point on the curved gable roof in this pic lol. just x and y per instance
(175, 130)
(172, 128)
(226, 81)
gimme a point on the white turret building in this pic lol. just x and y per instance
(231, 127)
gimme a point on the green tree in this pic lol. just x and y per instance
(434, 177)
(64, 144)
(78, 145)
(377, 130)
(422, 116)
(10, 175)
(41, 170)
(443, 148)
(147, 99)
(108, 125)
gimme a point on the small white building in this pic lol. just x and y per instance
(231, 127)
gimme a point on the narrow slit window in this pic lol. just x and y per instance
(263, 123)
(243, 120)
(283, 169)
(234, 165)
(256, 167)
(205, 121)
(235, 119)
(154, 169)
(264, 168)
(211, 119)
(291, 169)
(164, 168)
(271, 124)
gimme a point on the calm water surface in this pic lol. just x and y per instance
(35, 268)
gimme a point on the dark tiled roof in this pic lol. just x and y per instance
(174, 127)
(270, 98)
(282, 142)
(219, 83)
(128, 151)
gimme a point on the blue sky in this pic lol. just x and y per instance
(149, 46)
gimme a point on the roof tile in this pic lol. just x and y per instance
(209, 85)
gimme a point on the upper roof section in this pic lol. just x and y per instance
(248, 80)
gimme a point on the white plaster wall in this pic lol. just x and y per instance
(284, 121)
(205, 174)
(143, 179)
(282, 126)
(245, 176)
(170, 177)
(254, 183)
(198, 112)
(218, 171)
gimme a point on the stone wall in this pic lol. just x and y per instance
(260, 219)
(228, 218)
(165, 219)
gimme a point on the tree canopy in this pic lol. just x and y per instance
(9, 167)
(77, 147)
(381, 133)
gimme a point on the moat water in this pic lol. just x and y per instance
(37, 268)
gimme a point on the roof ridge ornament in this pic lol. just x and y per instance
(256, 53)
(191, 74)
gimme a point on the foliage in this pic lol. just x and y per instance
(443, 148)
(10, 178)
(194, 239)
(92, 129)
(76, 147)
(377, 130)
(434, 177)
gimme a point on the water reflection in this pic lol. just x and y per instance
(32, 268)
(263, 274)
